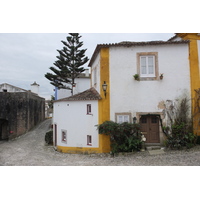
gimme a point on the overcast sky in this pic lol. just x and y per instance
(26, 57)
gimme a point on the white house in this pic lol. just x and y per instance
(164, 74)
(75, 119)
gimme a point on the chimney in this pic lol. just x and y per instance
(74, 88)
(35, 88)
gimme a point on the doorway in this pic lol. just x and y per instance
(150, 128)
(55, 137)
(4, 129)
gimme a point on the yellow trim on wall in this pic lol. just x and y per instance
(194, 67)
(104, 103)
(194, 73)
(78, 150)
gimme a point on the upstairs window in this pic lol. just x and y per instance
(89, 109)
(147, 65)
(95, 75)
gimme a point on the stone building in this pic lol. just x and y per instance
(20, 110)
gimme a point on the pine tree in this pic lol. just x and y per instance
(69, 64)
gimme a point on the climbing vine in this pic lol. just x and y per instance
(179, 131)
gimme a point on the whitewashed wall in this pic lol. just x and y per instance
(72, 117)
(82, 84)
(129, 95)
(96, 65)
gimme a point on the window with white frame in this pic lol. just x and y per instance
(64, 136)
(147, 65)
(89, 109)
(123, 117)
(89, 140)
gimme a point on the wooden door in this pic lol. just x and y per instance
(150, 128)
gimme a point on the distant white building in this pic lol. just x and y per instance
(5, 87)
(82, 82)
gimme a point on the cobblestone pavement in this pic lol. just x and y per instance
(30, 150)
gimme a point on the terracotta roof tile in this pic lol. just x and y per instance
(90, 94)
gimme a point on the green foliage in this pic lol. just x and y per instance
(180, 133)
(181, 136)
(69, 64)
(136, 77)
(108, 128)
(49, 137)
(125, 137)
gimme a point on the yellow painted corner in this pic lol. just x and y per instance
(104, 103)
(78, 150)
(194, 73)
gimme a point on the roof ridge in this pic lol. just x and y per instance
(14, 86)
(89, 94)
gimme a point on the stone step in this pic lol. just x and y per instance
(153, 147)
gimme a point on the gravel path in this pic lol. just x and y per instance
(30, 150)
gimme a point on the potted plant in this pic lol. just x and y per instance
(136, 77)
(161, 76)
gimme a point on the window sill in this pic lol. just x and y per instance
(89, 144)
(149, 78)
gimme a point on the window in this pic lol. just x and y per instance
(143, 120)
(95, 75)
(154, 120)
(89, 109)
(122, 117)
(64, 136)
(147, 65)
(89, 140)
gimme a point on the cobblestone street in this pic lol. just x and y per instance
(30, 150)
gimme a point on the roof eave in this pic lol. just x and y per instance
(130, 44)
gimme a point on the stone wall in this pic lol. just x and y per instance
(22, 111)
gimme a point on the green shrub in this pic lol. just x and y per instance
(49, 137)
(180, 133)
(181, 137)
(124, 137)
